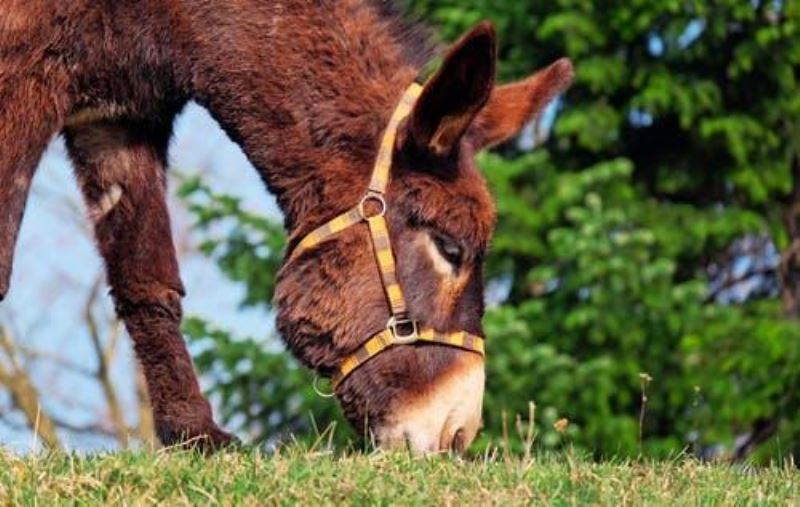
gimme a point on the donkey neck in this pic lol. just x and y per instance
(306, 91)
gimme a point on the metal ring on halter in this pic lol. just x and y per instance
(319, 391)
(375, 197)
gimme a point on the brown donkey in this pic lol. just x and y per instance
(307, 88)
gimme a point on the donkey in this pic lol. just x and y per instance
(307, 88)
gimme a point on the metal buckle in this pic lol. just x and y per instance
(372, 196)
(396, 325)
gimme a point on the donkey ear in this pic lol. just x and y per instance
(454, 95)
(512, 106)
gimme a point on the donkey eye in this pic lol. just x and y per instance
(449, 249)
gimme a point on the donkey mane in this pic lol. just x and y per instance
(412, 34)
(336, 71)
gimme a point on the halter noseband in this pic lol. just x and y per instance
(400, 329)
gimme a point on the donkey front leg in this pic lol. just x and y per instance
(31, 109)
(121, 173)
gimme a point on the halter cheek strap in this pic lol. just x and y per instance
(400, 329)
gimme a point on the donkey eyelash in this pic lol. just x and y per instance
(449, 249)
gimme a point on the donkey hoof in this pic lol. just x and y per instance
(206, 438)
(215, 440)
(219, 439)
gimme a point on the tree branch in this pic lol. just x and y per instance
(43, 355)
(146, 427)
(24, 394)
(104, 359)
(789, 273)
(790, 259)
(734, 281)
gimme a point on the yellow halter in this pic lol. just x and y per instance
(400, 330)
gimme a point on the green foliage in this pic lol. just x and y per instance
(604, 301)
(260, 388)
(676, 140)
(246, 246)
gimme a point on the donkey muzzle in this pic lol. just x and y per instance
(446, 417)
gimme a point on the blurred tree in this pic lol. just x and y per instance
(261, 390)
(680, 136)
(25, 404)
(619, 243)
(65, 382)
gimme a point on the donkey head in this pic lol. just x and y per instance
(332, 298)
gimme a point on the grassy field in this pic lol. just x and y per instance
(297, 476)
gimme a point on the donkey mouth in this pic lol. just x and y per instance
(444, 418)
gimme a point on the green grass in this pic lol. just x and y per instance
(301, 476)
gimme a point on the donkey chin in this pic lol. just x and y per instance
(444, 418)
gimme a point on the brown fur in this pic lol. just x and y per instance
(511, 106)
(305, 88)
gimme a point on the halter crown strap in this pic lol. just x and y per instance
(378, 182)
(400, 330)
(383, 162)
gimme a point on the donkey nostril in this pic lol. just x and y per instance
(408, 441)
(458, 444)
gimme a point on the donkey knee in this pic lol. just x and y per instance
(151, 303)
